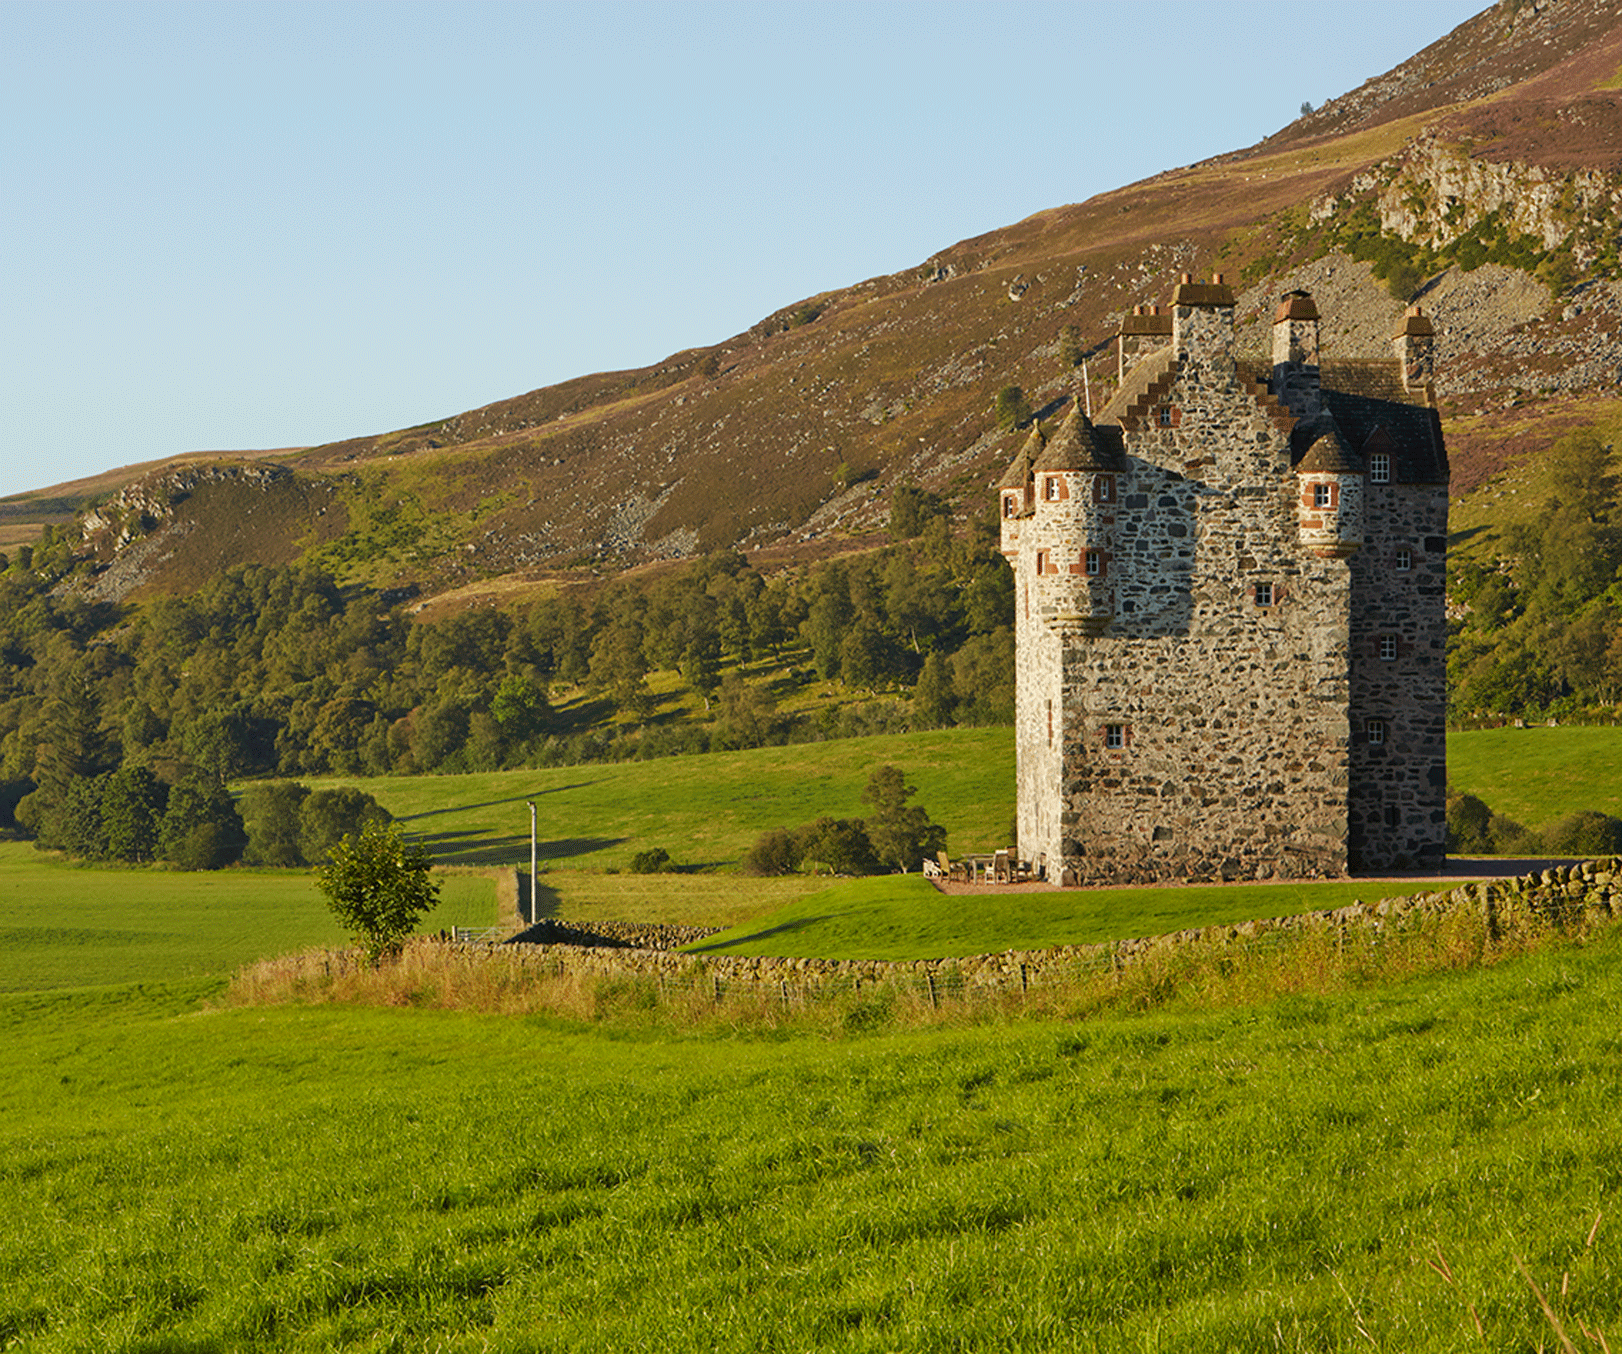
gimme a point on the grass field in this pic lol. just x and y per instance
(706, 811)
(1539, 775)
(904, 917)
(1312, 1174)
(63, 925)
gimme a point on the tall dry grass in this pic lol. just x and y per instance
(1204, 975)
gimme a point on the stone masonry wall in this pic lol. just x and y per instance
(1233, 761)
(1398, 800)
(1555, 896)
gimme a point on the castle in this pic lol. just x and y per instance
(1229, 591)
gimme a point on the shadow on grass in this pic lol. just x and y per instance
(493, 803)
(786, 928)
(454, 848)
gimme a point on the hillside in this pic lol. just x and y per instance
(1486, 171)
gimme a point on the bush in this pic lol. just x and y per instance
(1469, 823)
(1587, 833)
(775, 852)
(655, 860)
(838, 845)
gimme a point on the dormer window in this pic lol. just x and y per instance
(1321, 496)
(1050, 487)
(1010, 505)
(1380, 468)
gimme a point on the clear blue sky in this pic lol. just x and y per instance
(230, 226)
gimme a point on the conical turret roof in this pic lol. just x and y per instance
(1076, 446)
(1328, 454)
(1018, 473)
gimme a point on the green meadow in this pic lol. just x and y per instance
(706, 811)
(1424, 1165)
(903, 917)
(1539, 775)
(1311, 1173)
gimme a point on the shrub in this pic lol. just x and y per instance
(655, 860)
(775, 852)
(1469, 823)
(1587, 833)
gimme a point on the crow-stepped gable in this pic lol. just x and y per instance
(1230, 616)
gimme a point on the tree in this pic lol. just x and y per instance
(1070, 349)
(378, 886)
(327, 816)
(201, 828)
(271, 812)
(132, 807)
(1013, 409)
(902, 834)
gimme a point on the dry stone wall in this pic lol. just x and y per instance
(1557, 896)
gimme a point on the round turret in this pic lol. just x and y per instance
(1074, 541)
(1330, 506)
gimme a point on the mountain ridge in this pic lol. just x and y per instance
(791, 436)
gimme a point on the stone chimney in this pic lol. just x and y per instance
(1144, 330)
(1202, 324)
(1415, 346)
(1295, 354)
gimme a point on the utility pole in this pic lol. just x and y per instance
(533, 918)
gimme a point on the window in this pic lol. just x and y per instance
(1041, 562)
(1114, 735)
(1095, 565)
(1321, 496)
(1105, 486)
(1264, 594)
(1405, 560)
(1375, 728)
(1388, 647)
(1380, 468)
(1010, 505)
(1165, 418)
(1050, 488)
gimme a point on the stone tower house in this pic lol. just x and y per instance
(1229, 599)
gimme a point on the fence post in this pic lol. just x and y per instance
(933, 999)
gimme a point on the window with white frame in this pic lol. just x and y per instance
(1264, 594)
(1380, 468)
(1388, 647)
(1375, 729)
(1095, 564)
(1115, 735)
(1050, 487)
(1321, 496)
(1405, 560)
